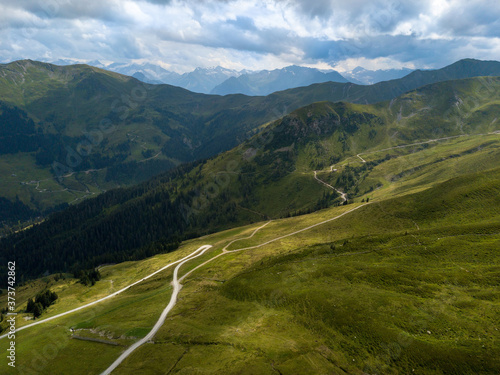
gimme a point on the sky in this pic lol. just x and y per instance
(181, 35)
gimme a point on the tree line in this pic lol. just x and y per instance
(41, 301)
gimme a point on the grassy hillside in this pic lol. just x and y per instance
(403, 284)
(96, 130)
(272, 175)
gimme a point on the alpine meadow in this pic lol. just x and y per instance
(238, 187)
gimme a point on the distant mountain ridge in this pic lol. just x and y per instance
(203, 80)
(364, 76)
(266, 82)
(222, 81)
(200, 80)
(269, 175)
(146, 72)
(387, 90)
(153, 127)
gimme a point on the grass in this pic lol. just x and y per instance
(423, 114)
(245, 312)
(413, 169)
(416, 297)
(385, 303)
(405, 284)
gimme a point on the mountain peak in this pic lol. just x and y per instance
(358, 69)
(266, 82)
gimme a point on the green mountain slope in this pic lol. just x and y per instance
(402, 285)
(388, 90)
(102, 130)
(271, 175)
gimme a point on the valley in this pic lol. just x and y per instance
(271, 175)
(302, 293)
(249, 187)
(82, 130)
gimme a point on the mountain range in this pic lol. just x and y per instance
(84, 130)
(254, 180)
(200, 80)
(363, 76)
(334, 228)
(224, 81)
(266, 82)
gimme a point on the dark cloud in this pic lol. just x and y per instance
(471, 19)
(322, 9)
(231, 35)
(104, 10)
(190, 2)
(160, 2)
(381, 15)
(422, 32)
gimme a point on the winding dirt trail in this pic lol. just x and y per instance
(362, 160)
(108, 296)
(342, 194)
(176, 282)
(173, 300)
(418, 144)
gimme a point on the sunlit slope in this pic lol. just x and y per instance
(137, 130)
(272, 174)
(401, 285)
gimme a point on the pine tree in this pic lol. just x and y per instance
(31, 305)
(37, 310)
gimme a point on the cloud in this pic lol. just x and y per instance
(243, 23)
(480, 18)
(381, 15)
(67, 9)
(249, 34)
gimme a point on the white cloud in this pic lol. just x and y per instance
(255, 35)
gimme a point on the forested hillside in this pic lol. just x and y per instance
(268, 176)
(72, 132)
